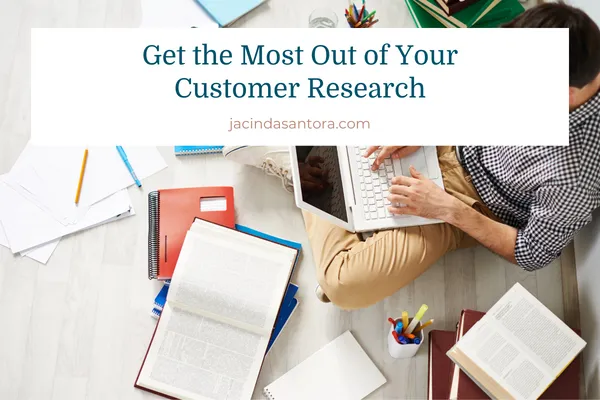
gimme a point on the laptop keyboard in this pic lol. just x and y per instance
(374, 185)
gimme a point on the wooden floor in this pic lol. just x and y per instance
(79, 327)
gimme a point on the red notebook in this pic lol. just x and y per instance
(171, 212)
(566, 386)
(440, 366)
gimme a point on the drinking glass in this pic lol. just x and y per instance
(322, 18)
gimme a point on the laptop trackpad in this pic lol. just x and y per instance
(421, 159)
(417, 160)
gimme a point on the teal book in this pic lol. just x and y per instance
(191, 150)
(226, 12)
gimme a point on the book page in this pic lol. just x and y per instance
(521, 344)
(194, 357)
(232, 277)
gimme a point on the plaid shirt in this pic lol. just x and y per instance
(547, 193)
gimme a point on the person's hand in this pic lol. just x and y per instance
(420, 196)
(389, 151)
(312, 177)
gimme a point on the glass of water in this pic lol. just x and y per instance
(322, 18)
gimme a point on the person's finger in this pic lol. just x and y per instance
(314, 161)
(370, 150)
(400, 189)
(415, 174)
(383, 154)
(404, 151)
(400, 210)
(398, 199)
(404, 180)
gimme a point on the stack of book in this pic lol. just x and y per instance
(225, 299)
(517, 350)
(463, 13)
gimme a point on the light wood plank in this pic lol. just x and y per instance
(515, 274)
(549, 283)
(401, 373)
(459, 272)
(570, 290)
(490, 278)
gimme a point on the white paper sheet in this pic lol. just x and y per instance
(27, 226)
(175, 14)
(48, 176)
(40, 254)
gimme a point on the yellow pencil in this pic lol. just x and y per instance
(83, 164)
(404, 320)
(425, 325)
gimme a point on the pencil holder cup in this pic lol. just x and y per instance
(408, 350)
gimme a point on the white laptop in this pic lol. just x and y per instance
(355, 197)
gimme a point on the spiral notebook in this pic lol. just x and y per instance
(171, 212)
(192, 150)
(340, 370)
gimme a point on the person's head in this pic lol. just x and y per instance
(584, 45)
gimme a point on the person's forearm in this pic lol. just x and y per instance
(496, 236)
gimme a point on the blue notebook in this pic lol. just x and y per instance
(191, 150)
(226, 12)
(288, 304)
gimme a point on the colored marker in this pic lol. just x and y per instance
(395, 335)
(369, 15)
(398, 328)
(417, 340)
(404, 318)
(409, 335)
(392, 322)
(403, 340)
(416, 319)
(423, 326)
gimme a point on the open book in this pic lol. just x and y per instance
(517, 349)
(220, 311)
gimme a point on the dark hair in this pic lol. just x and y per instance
(584, 37)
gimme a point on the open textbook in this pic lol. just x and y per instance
(220, 311)
(517, 349)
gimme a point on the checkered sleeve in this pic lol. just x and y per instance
(556, 215)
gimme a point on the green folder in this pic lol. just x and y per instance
(465, 18)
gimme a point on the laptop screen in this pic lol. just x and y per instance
(321, 179)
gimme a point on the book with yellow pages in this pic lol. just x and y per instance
(517, 349)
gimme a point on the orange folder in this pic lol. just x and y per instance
(171, 213)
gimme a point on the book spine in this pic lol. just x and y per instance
(153, 234)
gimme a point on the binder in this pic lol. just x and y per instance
(171, 212)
